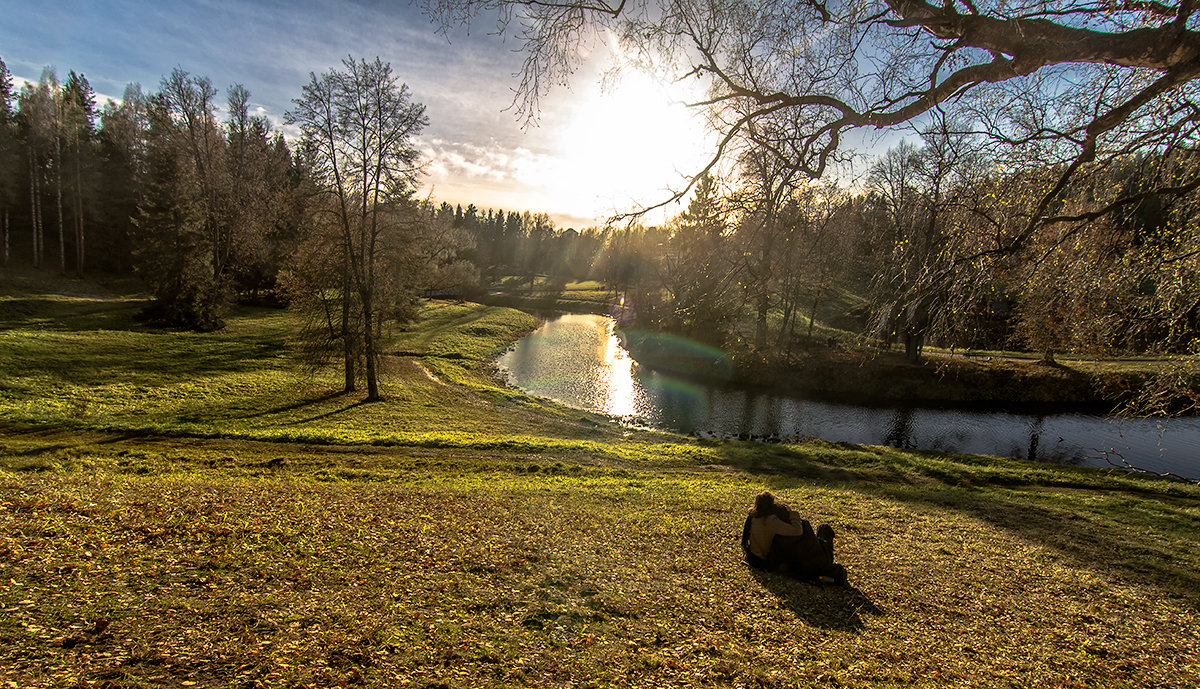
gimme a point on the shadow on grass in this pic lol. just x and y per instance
(1140, 535)
(328, 414)
(306, 402)
(1112, 538)
(826, 607)
(137, 358)
(49, 313)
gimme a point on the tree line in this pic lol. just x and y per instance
(204, 210)
(1050, 197)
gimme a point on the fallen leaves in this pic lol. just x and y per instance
(489, 580)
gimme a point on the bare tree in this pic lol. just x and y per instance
(78, 121)
(918, 190)
(358, 126)
(36, 120)
(766, 187)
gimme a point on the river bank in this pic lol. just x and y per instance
(836, 370)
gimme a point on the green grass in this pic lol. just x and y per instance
(547, 295)
(243, 381)
(193, 510)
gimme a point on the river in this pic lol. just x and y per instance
(577, 360)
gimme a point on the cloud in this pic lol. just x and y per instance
(491, 175)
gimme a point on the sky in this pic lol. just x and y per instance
(597, 149)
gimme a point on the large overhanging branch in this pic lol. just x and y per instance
(1160, 48)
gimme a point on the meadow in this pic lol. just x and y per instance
(181, 509)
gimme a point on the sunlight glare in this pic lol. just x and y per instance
(621, 394)
(627, 144)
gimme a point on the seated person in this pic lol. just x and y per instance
(776, 539)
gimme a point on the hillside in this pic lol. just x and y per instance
(196, 510)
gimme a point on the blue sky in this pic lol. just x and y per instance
(477, 151)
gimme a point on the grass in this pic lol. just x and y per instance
(248, 564)
(243, 382)
(193, 510)
(553, 295)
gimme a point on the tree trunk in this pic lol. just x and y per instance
(789, 312)
(33, 207)
(6, 236)
(41, 227)
(912, 345)
(369, 347)
(62, 245)
(347, 340)
(791, 338)
(78, 212)
(760, 328)
(812, 318)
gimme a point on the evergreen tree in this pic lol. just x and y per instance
(697, 270)
(173, 253)
(120, 179)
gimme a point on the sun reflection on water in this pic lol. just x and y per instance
(578, 360)
(620, 389)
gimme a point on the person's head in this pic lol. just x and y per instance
(783, 513)
(764, 504)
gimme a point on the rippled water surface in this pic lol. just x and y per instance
(578, 361)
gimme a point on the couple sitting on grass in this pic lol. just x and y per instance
(776, 539)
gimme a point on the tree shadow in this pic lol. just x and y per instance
(143, 358)
(1129, 554)
(306, 402)
(333, 412)
(52, 313)
(838, 608)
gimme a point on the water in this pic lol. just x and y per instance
(578, 361)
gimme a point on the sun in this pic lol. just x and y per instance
(627, 143)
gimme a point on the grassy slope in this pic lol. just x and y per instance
(460, 534)
(550, 296)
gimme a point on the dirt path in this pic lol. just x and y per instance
(421, 367)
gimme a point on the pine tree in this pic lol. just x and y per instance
(173, 253)
(121, 175)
